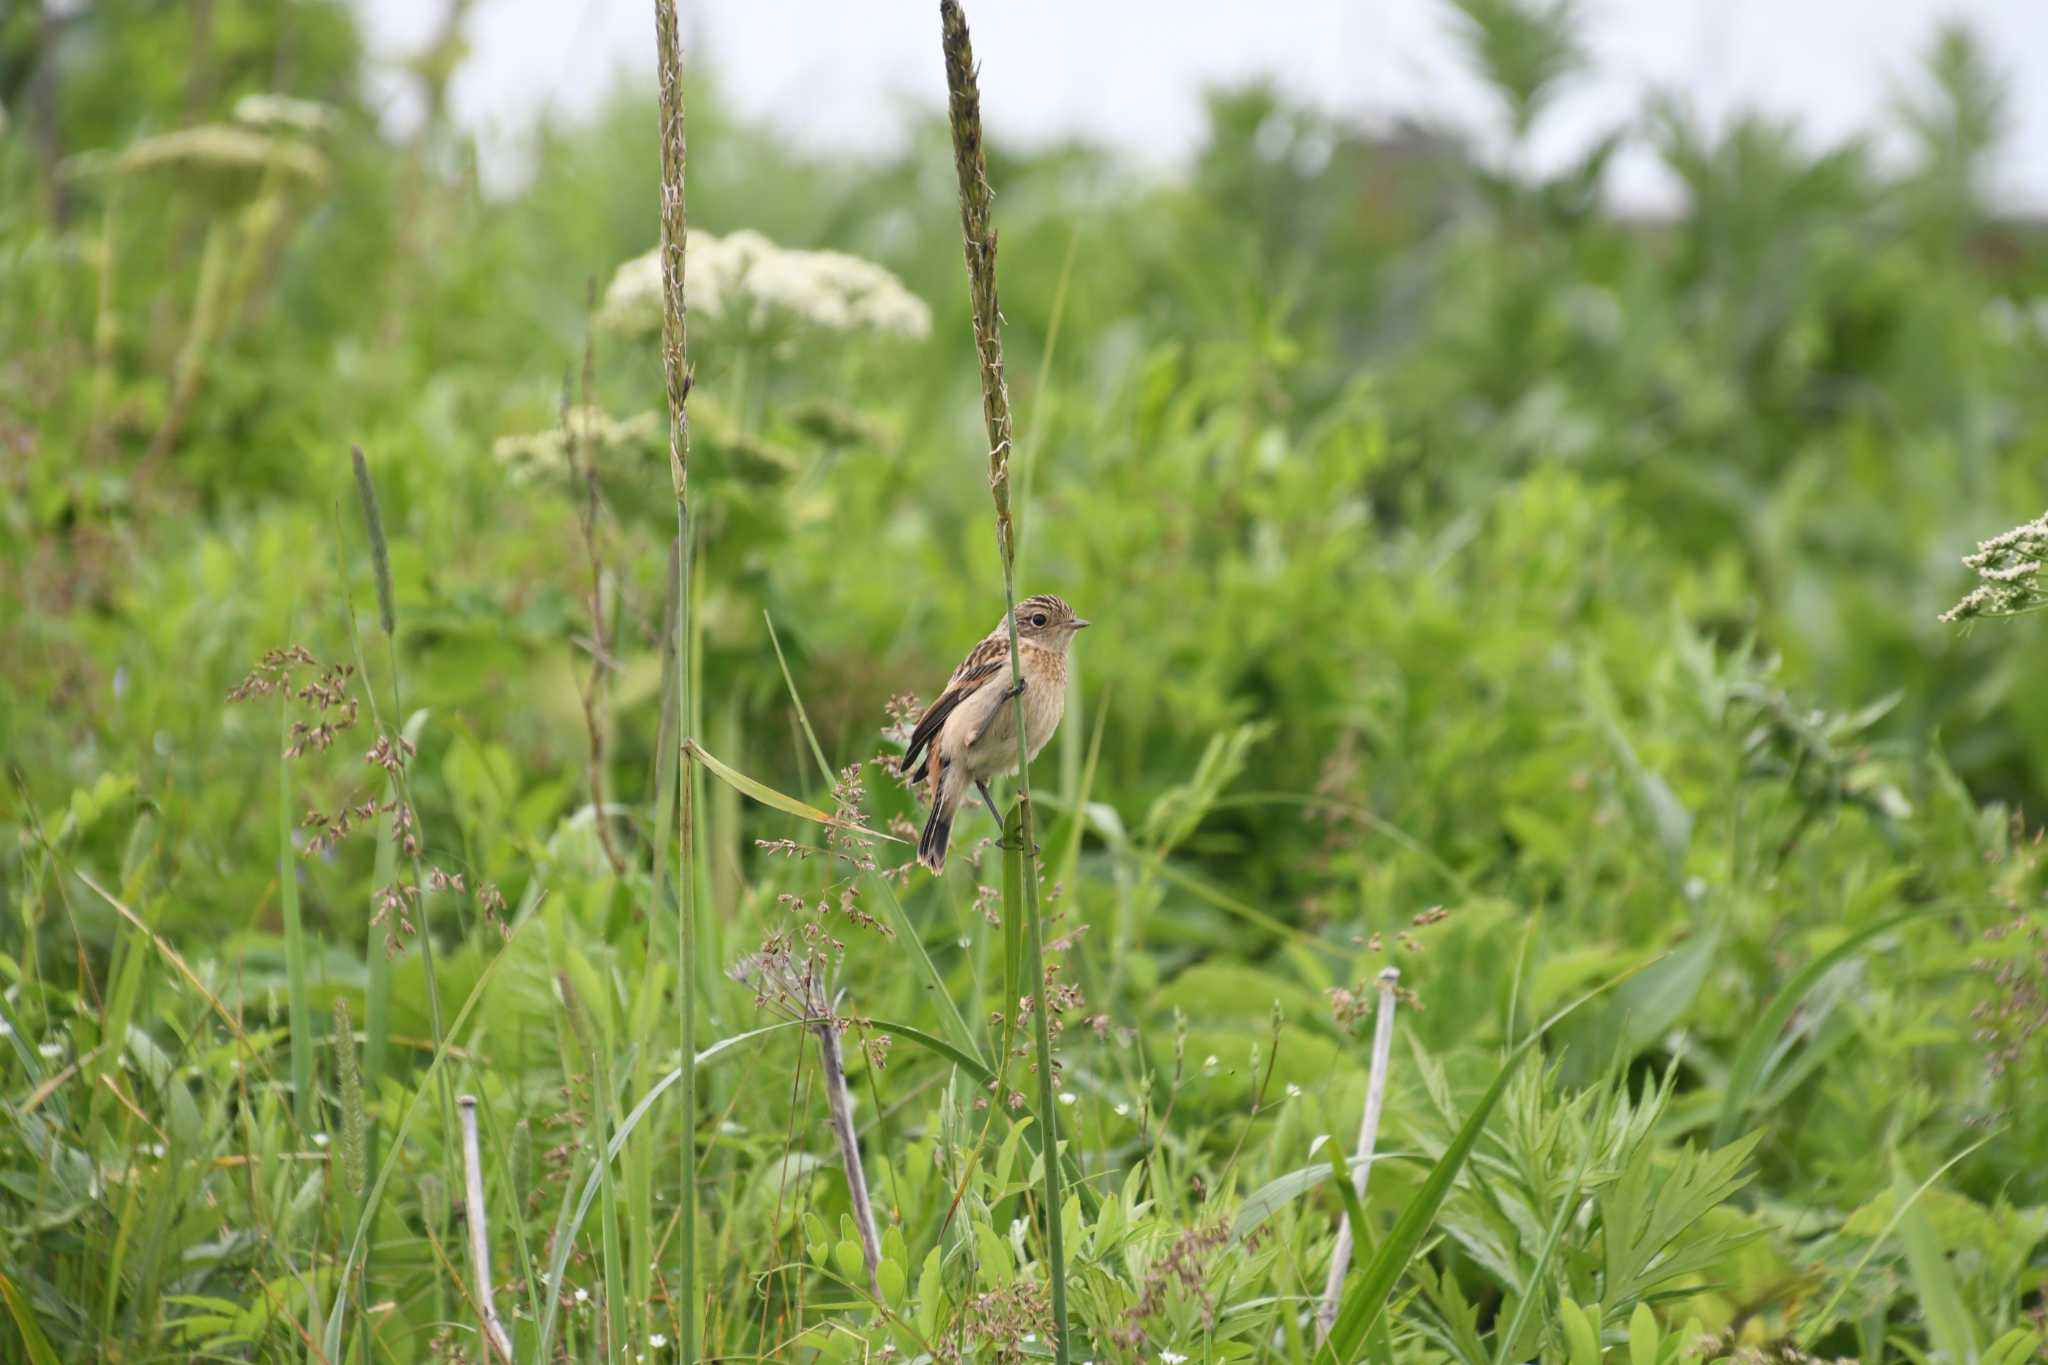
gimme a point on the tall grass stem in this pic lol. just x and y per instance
(978, 240)
(676, 375)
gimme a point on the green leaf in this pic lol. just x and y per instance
(768, 796)
(1581, 1334)
(1340, 1174)
(1643, 1219)
(929, 1293)
(1643, 1337)
(890, 1278)
(994, 1255)
(2014, 1347)
(1282, 1190)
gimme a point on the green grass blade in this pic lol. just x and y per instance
(1934, 1283)
(388, 1167)
(566, 1229)
(803, 717)
(959, 1056)
(32, 1338)
(1819, 1323)
(1745, 1073)
(1367, 1300)
(935, 985)
(1282, 1190)
(1091, 1202)
(768, 796)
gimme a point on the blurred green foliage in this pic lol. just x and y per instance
(1453, 543)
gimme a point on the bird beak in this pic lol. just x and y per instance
(1080, 624)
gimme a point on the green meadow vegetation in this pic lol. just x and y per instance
(445, 922)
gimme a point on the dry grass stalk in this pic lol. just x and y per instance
(792, 982)
(1368, 1140)
(479, 1233)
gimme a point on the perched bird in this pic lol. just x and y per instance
(969, 733)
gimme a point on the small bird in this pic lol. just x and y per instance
(969, 732)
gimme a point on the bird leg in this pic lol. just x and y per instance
(990, 802)
(1016, 691)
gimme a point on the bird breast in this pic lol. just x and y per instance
(985, 725)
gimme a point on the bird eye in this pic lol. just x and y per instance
(1038, 618)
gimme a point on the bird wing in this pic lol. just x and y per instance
(982, 664)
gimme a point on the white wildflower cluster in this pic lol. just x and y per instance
(2012, 574)
(747, 278)
(268, 110)
(534, 456)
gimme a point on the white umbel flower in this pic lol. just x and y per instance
(745, 277)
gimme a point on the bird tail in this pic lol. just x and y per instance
(938, 828)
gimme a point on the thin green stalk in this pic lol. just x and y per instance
(978, 240)
(387, 620)
(300, 1010)
(676, 374)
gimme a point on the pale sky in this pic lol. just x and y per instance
(1129, 73)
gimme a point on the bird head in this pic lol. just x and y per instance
(1048, 621)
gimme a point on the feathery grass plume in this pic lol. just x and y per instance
(978, 240)
(355, 1124)
(480, 1233)
(675, 362)
(373, 526)
(2012, 574)
(1368, 1140)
